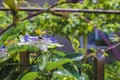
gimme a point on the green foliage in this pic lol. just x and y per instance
(54, 64)
(14, 31)
(5, 19)
(15, 49)
(112, 71)
(61, 74)
(44, 61)
(31, 76)
(75, 43)
(11, 4)
(8, 70)
(74, 56)
(116, 38)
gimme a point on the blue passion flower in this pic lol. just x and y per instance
(41, 42)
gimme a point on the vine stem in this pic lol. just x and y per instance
(112, 47)
(40, 12)
(32, 15)
(65, 10)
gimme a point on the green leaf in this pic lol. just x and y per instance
(63, 73)
(56, 64)
(3, 59)
(90, 27)
(13, 36)
(11, 4)
(14, 31)
(75, 43)
(74, 56)
(61, 1)
(84, 76)
(60, 53)
(5, 5)
(15, 49)
(44, 60)
(30, 76)
(105, 54)
(76, 74)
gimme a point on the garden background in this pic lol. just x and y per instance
(29, 45)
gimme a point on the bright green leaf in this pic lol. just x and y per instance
(30, 76)
(11, 4)
(75, 43)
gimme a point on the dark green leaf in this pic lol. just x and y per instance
(56, 64)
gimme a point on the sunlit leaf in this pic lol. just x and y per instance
(30, 76)
(11, 4)
(75, 43)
